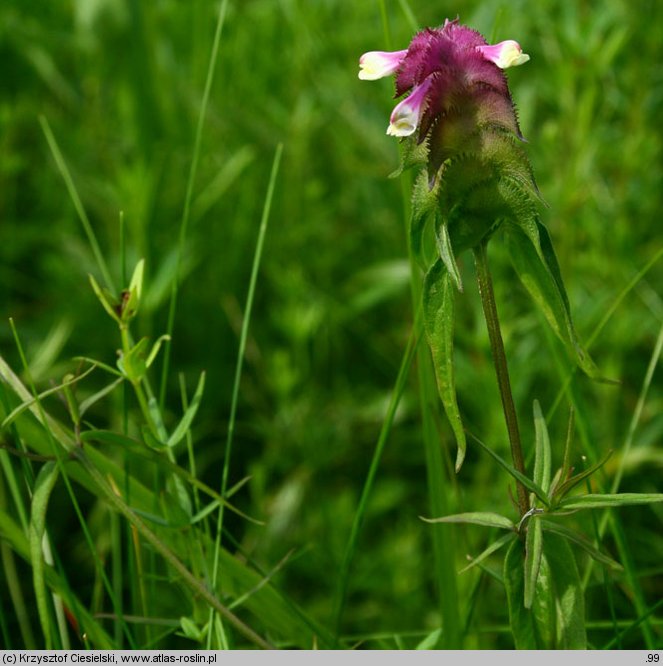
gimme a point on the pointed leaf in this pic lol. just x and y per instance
(486, 519)
(44, 485)
(571, 483)
(609, 501)
(17, 411)
(568, 594)
(424, 209)
(189, 415)
(155, 349)
(528, 483)
(102, 393)
(539, 273)
(105, 298)
(533, 552)
(494, 547)
(532, 629)
(447, 254)
(581, 541)
(438, 298)
(542, 450)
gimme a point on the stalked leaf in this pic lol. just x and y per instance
(486, 519)
(539, 272)
(542, 453)
(438, 299)
(567, 593)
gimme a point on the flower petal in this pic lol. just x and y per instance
(505, 54)
(406, 115)
(378, 64)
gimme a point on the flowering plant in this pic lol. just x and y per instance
(459, 126)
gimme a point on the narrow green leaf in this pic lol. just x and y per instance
(136, 284)
(494, 547)
(534, 628)
(571, 483)
(424, 209)
(607, 501)
(96, 397)
(568, 595)
(533, 552)
(44, 485)
(105, 298)
(539, 273)
(438, 299)
(447, 254)
(189, 415)
(542, 454)
(528, 483)
(155, 349)
(520, 619)
(27, 404)
(486, 519)
(581, 541)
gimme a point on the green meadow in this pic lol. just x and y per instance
(258, 477)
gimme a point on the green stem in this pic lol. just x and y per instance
(499, 357)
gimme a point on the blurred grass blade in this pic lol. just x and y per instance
(186, 212)
(78, 204)
(257, 257)
(46, 479)
(385, 430)
(485, 519)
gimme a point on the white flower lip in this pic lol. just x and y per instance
(378, 64)
(406, 115)
(505, 54)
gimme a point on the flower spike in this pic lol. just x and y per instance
(378, 64)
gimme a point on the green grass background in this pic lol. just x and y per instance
(121, 82)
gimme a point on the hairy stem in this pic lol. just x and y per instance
(499, 357)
